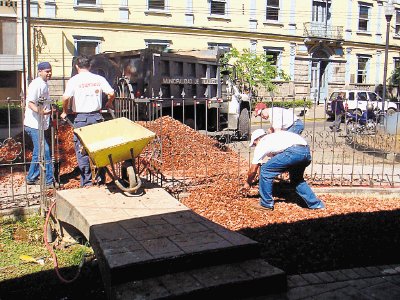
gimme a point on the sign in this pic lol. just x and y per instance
(189, 81)
(8, 3)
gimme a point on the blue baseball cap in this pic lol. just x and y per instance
(44, 65)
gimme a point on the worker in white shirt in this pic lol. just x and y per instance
(86, 88)
(289, 152)
(280, 118)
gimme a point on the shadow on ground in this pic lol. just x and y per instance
(338, 242)
(46, 285)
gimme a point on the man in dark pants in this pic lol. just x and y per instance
(338, 109)
(86, 88)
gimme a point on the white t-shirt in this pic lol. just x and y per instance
(37, 88)
(274, 143)
(87, 88)
(281, 118)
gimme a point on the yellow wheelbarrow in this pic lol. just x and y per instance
(114, 141)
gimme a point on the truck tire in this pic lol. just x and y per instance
(244, 124)
(391, 111)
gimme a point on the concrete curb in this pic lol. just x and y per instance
(395, 192)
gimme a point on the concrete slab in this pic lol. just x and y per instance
(236, 280)
(152, 234)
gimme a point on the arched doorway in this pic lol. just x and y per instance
(319, 76)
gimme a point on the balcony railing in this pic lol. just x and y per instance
(320, 30)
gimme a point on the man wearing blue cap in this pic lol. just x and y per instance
(37, 89)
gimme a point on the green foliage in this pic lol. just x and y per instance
(289, 103)
(25, 237)
(395, 77)
(252, 70)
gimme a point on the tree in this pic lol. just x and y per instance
(252, 70)
(395, 80)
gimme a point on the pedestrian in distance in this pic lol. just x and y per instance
(86, 89)
(337, 108)
(280, 118)
(287, 152)
(368, 114)
(34, 114)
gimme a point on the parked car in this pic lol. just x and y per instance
(355, 101)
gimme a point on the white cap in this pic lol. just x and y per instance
(255, 135)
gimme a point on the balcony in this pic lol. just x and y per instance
(313, 30)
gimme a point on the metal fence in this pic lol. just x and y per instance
(181, 157)
(15, 156)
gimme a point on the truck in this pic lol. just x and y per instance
(190, 86)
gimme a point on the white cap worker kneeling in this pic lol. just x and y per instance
(280, 118)
(289, 152)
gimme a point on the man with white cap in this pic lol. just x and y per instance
(280, 118)
(288, 152)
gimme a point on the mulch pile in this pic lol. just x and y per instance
(351, 231)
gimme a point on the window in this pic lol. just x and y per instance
(224, 46)
(274, 56)
(372, 96)
(8, 79)
(396, 62)
(397, 28)
(272, 10)
(362, 69)
(362, 96)
(164, 67)
(85, 45)
(160, 45)
(218, 7)
(319, 11)
(156, 4)
(363, 18)
(86, 2)
(8, 42)
(34, 9)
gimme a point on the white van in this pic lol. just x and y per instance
(356, 102)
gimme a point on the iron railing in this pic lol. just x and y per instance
(365, 159)
(321, 30)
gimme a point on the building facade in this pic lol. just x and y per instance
(10, 55)
(321, 44)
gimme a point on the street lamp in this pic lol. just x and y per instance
(389, 11)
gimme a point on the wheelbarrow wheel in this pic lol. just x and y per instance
(132, 179)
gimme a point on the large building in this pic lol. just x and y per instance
(321, 44)
(11, 63)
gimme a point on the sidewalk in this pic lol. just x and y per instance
(379, 282)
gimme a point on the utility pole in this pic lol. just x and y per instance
(28, 38)
(389, 11)
(326, 18)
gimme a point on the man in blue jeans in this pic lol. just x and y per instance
(287, 151)
(37, 89)
(86, 89)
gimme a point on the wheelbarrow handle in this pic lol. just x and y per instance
(68, 121)
(112, 112)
